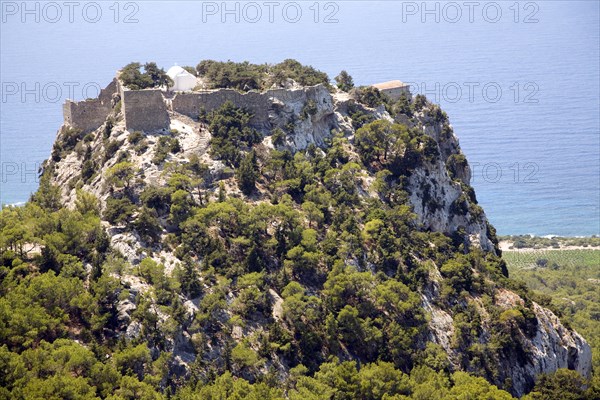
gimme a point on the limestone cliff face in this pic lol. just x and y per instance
(453, 208)
(311, 111)
(554, 346)
(549, 347)
(309, 115)
(439, 193)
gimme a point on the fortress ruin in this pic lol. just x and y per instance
(150, 110)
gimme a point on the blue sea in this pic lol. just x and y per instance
(519, 80)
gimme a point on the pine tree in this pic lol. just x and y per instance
(222, 193)
(344, 81)
(247, 173)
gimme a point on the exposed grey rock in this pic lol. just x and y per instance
(124, 310)
(439, 201)
(133, 330)
(553, 346)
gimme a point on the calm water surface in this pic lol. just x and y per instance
(521, 93)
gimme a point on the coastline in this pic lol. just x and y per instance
(507, 246)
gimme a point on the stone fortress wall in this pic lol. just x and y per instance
(148, 110)
(88, 115)
(190, 104)
(145, 110)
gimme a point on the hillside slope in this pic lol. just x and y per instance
(345, 230)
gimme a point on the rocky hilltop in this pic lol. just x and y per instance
(301, 223)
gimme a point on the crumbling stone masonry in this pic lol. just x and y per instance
(144, 110)
(89, 114)
(148, 110)
(190, 104)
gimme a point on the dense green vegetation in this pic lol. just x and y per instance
(153, 76)
(297, 285)
(246, 76)
(230, 133)
(58, 320)
(370, 96)
(242, 76)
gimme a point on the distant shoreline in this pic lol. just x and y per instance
(508, 246)
(529, 243)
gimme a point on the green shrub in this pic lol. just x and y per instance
(455, 163)
(89, 137)
(359, 117)
(118, 211)
(133, 78)
(111, 149)
(147, 225)
(246, 76)
(135, 137)
(66, 142)
(247, 173)
(370, 96)
(309, 109)
(164, 146)
(278, 137)
(304, 75)
(402, 106)
(419, 103)
(120, 175)
(241, 76)
(344, 81)
(108, 126)
(458, 274)
(229, 126)
(156, 198)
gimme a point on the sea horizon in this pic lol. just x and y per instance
(521, 93)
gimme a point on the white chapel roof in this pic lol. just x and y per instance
(176, 70)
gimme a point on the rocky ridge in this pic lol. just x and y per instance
(440, 196)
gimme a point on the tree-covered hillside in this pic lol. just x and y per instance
(221, 262)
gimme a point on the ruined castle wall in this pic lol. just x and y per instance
(259, 104)
(106, 94)
(186, 104)
(144, 110)
(395, 93)
(88, 115)
(288, 95)
(147, 110)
